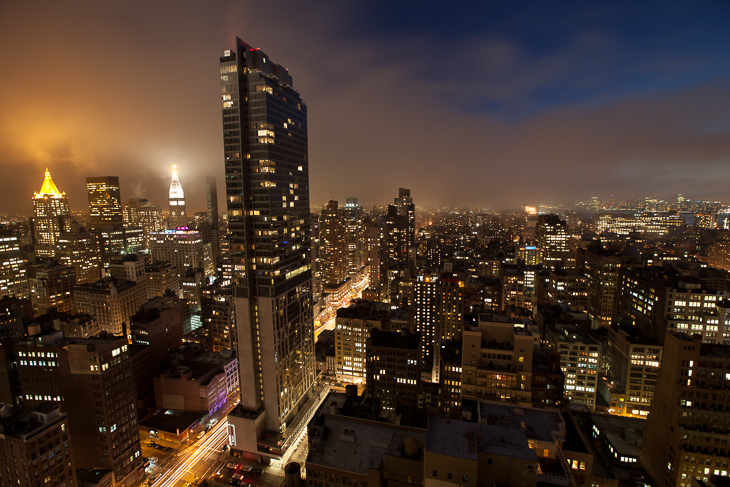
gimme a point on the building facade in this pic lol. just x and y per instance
(51, 217)
(176, 202)
(105, 202)
(267, 193)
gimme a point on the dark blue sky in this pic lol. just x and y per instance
(497, 104)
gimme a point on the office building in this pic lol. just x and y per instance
(159, 324)
(658, 300)
(496, 359)
(394, 368)
(512, 279)
(400, 228)
(568, 287)
(634, 361)
(333, 249)
(176, 200)
(602, 268)
(139, 212)
(105, 203)
(13, 272)
(78, 250)
(528, 254)
(580, 360)
(449, 385)
(36, 447)
(162, 278)
(548, 379)
(52, 286)
(687, 431)
(184, 249)
(112, 301)
(216, 313)
(649, 224)
(112, 242)
(355, 236)
(439, 305)
(352, 331)
(51, 217)
(372, 255)
(551, 234)
(91, 380)
(267, 192)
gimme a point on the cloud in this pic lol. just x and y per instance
(497, 116)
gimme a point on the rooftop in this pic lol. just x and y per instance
(171, 421)
(357, 445)
(538, 424)
(395, 339)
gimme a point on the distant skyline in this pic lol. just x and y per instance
(496, 104)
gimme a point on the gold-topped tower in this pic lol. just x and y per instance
(51, 216)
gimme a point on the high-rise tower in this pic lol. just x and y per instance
(105, 204)
(267, 193)
(178, 211)
(51, 216)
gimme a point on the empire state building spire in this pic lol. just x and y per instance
(178, 212)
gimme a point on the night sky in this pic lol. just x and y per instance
(497, 104)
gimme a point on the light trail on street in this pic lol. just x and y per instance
(179, 467)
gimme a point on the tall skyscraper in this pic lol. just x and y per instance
(178, 210)
(267, 193)
(51, 216)
(105, 204)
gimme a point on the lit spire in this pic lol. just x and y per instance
(49, 188)
(176, 191)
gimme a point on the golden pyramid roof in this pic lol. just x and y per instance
(49, 188)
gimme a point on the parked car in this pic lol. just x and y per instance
(168, 449)
(151, 444)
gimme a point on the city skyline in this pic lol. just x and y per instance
(588, 101)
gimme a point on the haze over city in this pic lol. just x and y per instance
(494, 104)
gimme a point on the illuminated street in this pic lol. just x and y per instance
(198, 461)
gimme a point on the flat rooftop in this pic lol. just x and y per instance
(538, 424)
(171, 421)
(466, 440)
(357, 445)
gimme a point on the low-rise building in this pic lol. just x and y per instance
(193, 387)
